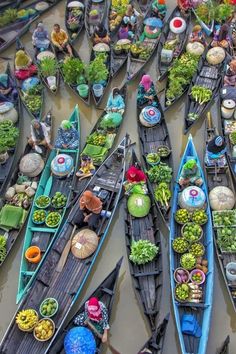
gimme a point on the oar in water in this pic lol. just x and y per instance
(99, 335)
(65, 252)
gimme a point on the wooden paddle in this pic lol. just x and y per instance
(65, 253)
(99, 335)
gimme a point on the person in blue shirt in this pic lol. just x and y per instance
(115, 102)
(67, 136)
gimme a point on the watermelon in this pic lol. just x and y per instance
(139, 205)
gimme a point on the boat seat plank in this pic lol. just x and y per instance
(143, 274)
(107, 291)
(41, 240)
(43, 229)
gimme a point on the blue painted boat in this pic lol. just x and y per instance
(39, 235)
(67, 283)
(202, 310)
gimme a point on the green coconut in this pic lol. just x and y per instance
(139, 205)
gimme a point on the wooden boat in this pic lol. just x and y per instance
(155, 343)
(44, 77)
(74, 34)
(102, 16)
(221, 177)
(225, 347)
(51, 281)
(13, 233)
(38, 114)
(200, 310)
(167, 35)
(144, 5)
(41, 235)
(5, 169)
(135, 65)
(146, 278)
(209, 77)
(61, 56)
(105, 292)
(150, 139)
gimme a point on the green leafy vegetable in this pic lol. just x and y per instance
(160, 173)
(143, 251)
(163, 194)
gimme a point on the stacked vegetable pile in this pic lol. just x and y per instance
(200, 95)
(207, 11)
(10, 16)
(140, 50)
(8, 136)
(3, 248)
(33, 99)
(225, 223)
(143, 251)
(73, 21)
(118, 9)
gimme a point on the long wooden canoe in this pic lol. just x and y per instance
(74, 34)
(49, 281)
(155, 344)
(221, 177)
(102, 18)
(150, 139)
(41, 235)
(13, 233)
(167, 35)
(146, 278)
(201, 310)
(225, 347)
(5, 169)
(105, 292)
(38, 114)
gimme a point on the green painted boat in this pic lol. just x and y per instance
(41, 235)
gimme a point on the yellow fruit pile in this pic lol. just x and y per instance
(27, 319)
(44, 329)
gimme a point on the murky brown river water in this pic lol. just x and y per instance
(129, 329)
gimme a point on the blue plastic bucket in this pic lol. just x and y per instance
(98, 90)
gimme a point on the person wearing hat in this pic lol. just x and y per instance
(197, 35)
(39, 135)
(146, 92)
(101, 35)
(40, 38)
(230, 75)
(190, 174)
(159, 8)
(115, 102)
(135, 175)
(130, 17)
(87, 168)
(23, 65)
(95, 312)
(221, 36)
(215, 152)
(60, 39)
(67, 136)
(8, 91)
(89, 212)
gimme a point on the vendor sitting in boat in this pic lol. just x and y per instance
(40, 38)
(197, 35)
(87, 168)
(60, 39)
(97, 314)
(39, 135)
(230, 75)
(67, 136)
(215, 152)
(115, 102)
(159, 8)
(130, 17)
(135, 175)
(221, 36)
(8, 91)
(146, 92)
(101, 35)
(89, 212)
(190, 174)
(23, 65)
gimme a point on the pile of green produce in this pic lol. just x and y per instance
(163, 194)
(47, 67)
(73, 70)
(192, 232)
(59, 200)
(199, 217)
(8, 135)
(188, 261)
(180, 75)
(201, 94)
(97, 70)
(43, 201)
(138, 50)
(226, 239)
(182, 216)
(3, 248)
(119, 48)
(96, 139)
(197, 277)
(143, 251)
(160, 173)
(39, 216)
(163, 151)
(197, 249)
(33, 98)
(224, 218)
(171, 44)
(53, 219)
(182, 292)
(7, 17)
(180, 245)
(206, 12)
(49, 307)
(153, 157)
(232, 138)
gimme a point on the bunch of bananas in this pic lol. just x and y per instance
(27, 319)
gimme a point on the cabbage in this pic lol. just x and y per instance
(139, 205)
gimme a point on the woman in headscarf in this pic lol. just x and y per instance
(95, 312)
(135, 175)
(87, 168)
(90, 210)
(190, 174)
(67, 136)
(230, 75)
(39, 134)
(40, 37)
(146, 91)
(23, 65)
(215, 152)
(8, 91)
(130, 17)
(197, 35)
(101, 35)
(115, 102)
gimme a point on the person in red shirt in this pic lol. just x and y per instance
(135, 175)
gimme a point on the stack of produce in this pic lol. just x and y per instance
(225, 223)
(8, 136)
(33, 99)
(118, 9)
